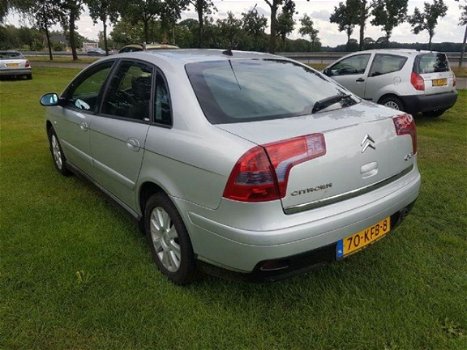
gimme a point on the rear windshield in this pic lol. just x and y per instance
(431, 63)
(4, 55)
(233, 91)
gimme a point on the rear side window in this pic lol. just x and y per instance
(384, 64)
(431, 63)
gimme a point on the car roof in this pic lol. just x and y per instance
(184, 56)
(408, 52)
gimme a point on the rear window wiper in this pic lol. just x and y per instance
(328, 101)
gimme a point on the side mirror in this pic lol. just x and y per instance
(327, 72)
(50, 99)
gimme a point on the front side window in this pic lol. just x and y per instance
(129, 92)
(231, 91)
(384, 64)
(351, 65)
(84, 91)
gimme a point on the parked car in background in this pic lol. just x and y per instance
(95, 52)
(144, 47)
(244, 161)
(14, 64)
(407, 80)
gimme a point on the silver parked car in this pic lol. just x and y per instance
(14, 64)
(407, 80)
(243, 161)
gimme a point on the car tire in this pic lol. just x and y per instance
(168, 240)
(392, 102)
(29, 77)
(57, 153)
(434, 114)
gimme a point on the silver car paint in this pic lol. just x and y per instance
(192, 160)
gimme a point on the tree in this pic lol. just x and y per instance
(70, 12)
(388, 14)
(144, 11)
(254, 25)
(428, 19)
(4, 7)
(274, 6)
(44, 13)
(169, 15)
(202, 7)
(103, 10)
(285, 21)
(346, 17)
(308, 29)
(463, 22)
(363, 14)
(230, 30)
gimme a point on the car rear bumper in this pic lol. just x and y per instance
(17, 71)
(425, 103)
(243, 250)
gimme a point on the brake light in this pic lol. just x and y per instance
(27, 65)
(417, 81)
(405, 125)
(262, 173)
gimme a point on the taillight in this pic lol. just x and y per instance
(417, 81)
(453, 80)
(262, 173)
(405, 125)
(27, 65)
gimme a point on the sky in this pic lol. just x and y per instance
(319, 10)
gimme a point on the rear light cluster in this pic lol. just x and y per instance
(405, 125)
(262, 173)
(417, 81)
(27, 65)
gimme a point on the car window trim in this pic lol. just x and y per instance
(385, 54)
(153, 122)
(91, 69)
(107, 85)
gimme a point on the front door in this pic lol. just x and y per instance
(351, 72)
(81, 99)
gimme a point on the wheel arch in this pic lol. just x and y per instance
(390, 94)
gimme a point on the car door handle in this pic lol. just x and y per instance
(360, 80)
(133, 144)
(84, 126)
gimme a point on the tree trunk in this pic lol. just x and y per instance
(72, 35)
(463, 48)
(106, 47)
(272, 38)
(49, 45)
(429, 42)
(146, 31)
(200, 24)
(362, 24)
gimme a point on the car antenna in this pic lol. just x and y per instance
(227, 52)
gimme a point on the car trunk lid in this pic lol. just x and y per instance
(434, 69)
(362, 149)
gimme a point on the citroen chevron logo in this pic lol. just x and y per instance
(367, 142)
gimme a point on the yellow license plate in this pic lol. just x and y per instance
(360, 240)
(439, 82)
(11, 65)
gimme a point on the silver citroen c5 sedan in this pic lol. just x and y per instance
(242, 161)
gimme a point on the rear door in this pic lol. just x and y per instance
(118, 132)
(351, 72)
(434, 68)
(385, 70)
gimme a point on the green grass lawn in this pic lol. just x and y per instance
(75, 273)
